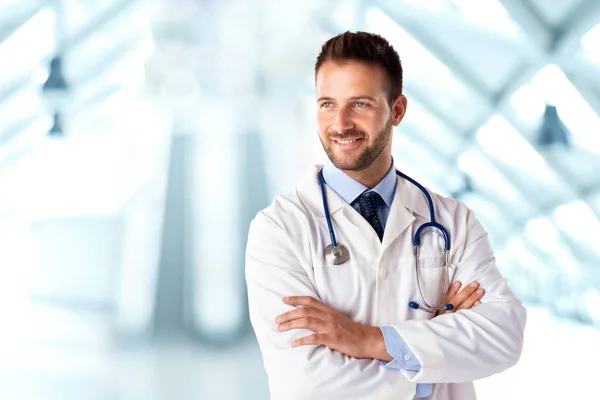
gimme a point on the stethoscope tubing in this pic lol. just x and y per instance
(416, 241)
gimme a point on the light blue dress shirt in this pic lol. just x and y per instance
(349, 189)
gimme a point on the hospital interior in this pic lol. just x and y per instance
(139, 138)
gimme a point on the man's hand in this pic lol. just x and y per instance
(334, 330)
(468, 297)
(340, 333)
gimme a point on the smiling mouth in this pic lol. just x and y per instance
(346, 141)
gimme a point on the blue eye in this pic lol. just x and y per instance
(326, 104)
(360, 104)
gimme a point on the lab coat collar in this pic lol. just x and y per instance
(407, 197)
(309, 190)
(412, 197)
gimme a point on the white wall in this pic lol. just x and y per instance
(75, 260)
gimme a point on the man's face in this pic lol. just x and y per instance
(354, 117)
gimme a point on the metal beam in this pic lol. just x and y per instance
(409, 20)
(8, 134)
(585, 91)
(534, 28)
(579, 21)
(6, 33)
(410, 13)
(95, 25)
(9, 29)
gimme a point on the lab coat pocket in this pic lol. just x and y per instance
(433, 281)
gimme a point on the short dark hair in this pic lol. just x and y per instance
(364, 47)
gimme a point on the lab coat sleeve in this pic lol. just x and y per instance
(475, 343)
(274, 269)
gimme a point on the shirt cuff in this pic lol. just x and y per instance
(395, 345)
(423, 390)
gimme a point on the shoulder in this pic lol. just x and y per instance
(466, 226)
(283, 209)
(282, 231)
(450, 205)
(293, 210)
(454, 211)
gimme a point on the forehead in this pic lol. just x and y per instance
(349, 79)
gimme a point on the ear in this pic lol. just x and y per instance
(399, 109)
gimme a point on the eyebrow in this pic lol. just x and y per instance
(362, 97)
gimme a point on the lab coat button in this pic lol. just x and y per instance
(382, 273)
(407, 357)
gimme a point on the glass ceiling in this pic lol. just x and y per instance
(540, 203)
(105, 46)
(589, 42)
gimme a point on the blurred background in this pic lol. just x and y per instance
(138, 139)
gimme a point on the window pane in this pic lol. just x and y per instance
(495, 185)
(488, 13)
(579, 221)
(23, 105)
(25, 48)
(502, 141)
(423, 71)
(590, 42)
(417, 161)
(574, 111)
(543, 233)
(419, 120)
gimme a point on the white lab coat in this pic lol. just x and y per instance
(285, 257)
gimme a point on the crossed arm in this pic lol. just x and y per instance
(340, 333)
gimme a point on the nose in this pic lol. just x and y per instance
(343, 121)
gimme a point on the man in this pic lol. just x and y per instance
(329, 331)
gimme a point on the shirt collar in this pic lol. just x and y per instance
(349, 189)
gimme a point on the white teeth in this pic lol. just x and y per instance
(346, 141)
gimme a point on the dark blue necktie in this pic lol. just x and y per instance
(369, 203)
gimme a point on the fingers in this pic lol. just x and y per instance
(472, 299)
(312, 314)
(301, 312)
(306, 301)
(465, 299)
(310, 323)
(464, 294)
(317, 338)
(452, 291)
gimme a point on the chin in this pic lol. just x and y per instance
(347, 163)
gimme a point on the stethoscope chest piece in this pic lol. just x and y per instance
(337, 255)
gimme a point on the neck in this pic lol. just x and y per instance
(374, 173)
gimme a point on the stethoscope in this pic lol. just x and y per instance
(336, 253)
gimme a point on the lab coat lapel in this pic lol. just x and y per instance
(408, 201)
(346, 220)
(309, 191)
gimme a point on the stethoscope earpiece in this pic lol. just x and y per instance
(414, 305)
